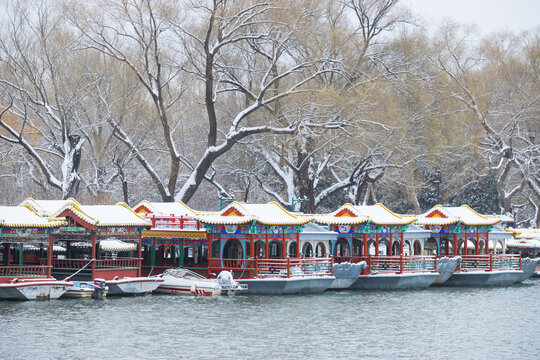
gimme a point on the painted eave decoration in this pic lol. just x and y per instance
(353, 214)
(26, 217)
(440, 215)
(238, 213)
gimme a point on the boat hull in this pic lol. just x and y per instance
(484, 278)
(282, 286)
(528, 266)
(34, 290)
(394, 281)
(189, 289)
(346, 274)
(446, 268)
(133, 285)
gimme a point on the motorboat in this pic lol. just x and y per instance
(186, 282)
(86, 290)
(133, 285)
(34, 289)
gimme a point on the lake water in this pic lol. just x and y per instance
(433, 323)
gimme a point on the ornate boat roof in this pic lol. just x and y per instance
(26, 217)
(267, 214)
(525, 233)
(118, 215)
(46, 207)
(448, 215)
(358, 214)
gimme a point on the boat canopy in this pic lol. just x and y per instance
(116, 245)
(355, 214)
(267, 214)
(26, 217)
(443, 215)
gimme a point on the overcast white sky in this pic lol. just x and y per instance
(489, 15)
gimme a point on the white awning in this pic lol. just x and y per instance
(32, 247)
(116, 245)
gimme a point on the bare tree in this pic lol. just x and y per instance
(42, 93)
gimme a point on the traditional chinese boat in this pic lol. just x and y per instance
(27, 280)
(376, 235)
(260, 245)
(526, 243)
(464, 232)
(175, 238)
(102, 241)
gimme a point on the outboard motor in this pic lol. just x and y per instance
(99, 289)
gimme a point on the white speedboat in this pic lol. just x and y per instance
(187, 282)
(34, 289)
(133, 285)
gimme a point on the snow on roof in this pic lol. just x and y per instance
(315, 232)
(176, 208)
(357, 214)
(34, 247)
(26, 217)
(116, 245)
(446, 215)
(525, 233)
(524, 243)
(46, 207)
(242, 213)
(106, 215)
(505, 218)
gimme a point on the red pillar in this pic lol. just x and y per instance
(210, 238)
(139, 254)
(50, 256)
(267, 247)
(391, 245)
(454, 243)
(93, 254)
(487, 244)
(465, 246)
(251, 246)
(477, 243)
(377, 244)
(364, 236)
(401, 244)
(284, 252)
(297, 245)
(8, 253)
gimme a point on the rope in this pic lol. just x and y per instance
(78, 271)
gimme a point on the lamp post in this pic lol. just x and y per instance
(224, 200)
(298, 201)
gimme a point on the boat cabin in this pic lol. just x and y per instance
(22, 232)
(175, 239)
(525, 242)
(101, 241)
(249, 239)
(368, 230)
(463, 231)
